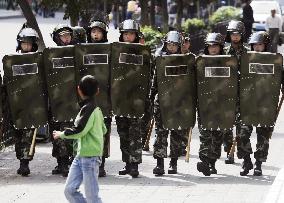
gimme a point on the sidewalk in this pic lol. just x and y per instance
(7, 14)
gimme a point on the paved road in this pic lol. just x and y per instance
(187, 186)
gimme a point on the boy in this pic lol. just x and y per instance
(88, 130)
(210, 140)
(97, 33)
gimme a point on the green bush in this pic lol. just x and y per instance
(193, 25)
(152, 36)
(225, 13)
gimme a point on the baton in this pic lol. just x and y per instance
(188, 145)
(33, 143)
(149, 134)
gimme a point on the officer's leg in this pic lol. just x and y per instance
(122, 124)
(160, 144)
(135, 146)
(145, 127)
(244, 147)
(217, 139)
(102, 172)
(60, 152)
(262, 146)
(175, 144)
(204, 151)
(22, 148)
(228, 142)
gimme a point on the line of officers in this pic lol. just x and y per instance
(133, 131)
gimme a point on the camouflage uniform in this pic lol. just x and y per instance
(130, 139)
(146, 123)
(244, 131)
(262, 146)
(228, 135)
(129, 129)
(161, 134)
(101, 22)
(23, 137)
(210, 140)
(63, 150)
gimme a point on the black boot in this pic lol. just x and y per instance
(24, 168)
(257, 170)
(246, 166)
(204, 168)
(125, 170)
(57, 169)
(134, 170)
(65, 167)
(173, 166)
(102, 172)
(229, 160)
(213, 170)
(159, 169)
(146, 148)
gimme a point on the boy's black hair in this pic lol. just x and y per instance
(89, 85)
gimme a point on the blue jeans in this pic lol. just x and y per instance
(83, 169)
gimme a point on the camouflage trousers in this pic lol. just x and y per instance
(23, 143)
(244, 145)
(228, 140)
(210, 144)
(62, 148)
(106, 152)
(161, 134)
(146, 123)
(130, 139)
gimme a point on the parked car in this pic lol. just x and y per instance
(261, 10)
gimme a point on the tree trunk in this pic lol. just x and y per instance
(152, 13)
(179, 13)
(31, 20)
(105, 6)
(74, 19)
(198, 9)
(165, 15)
(144, 12)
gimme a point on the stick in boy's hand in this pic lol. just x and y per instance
(56, 135)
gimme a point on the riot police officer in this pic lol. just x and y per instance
(210, 140)
(27, 40)
(97, 33)
(129, 128)
(259, 42)
(172, 45)
(235, 36)
(62, 150)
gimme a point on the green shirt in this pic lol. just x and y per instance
(91, 136)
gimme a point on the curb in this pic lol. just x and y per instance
(276, 191)
(11, 17)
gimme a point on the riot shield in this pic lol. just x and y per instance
(217, 90)
(94, 59)
(177, 90)
(130, 75)
(260, 85)
(61, 85)
(23, 75)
